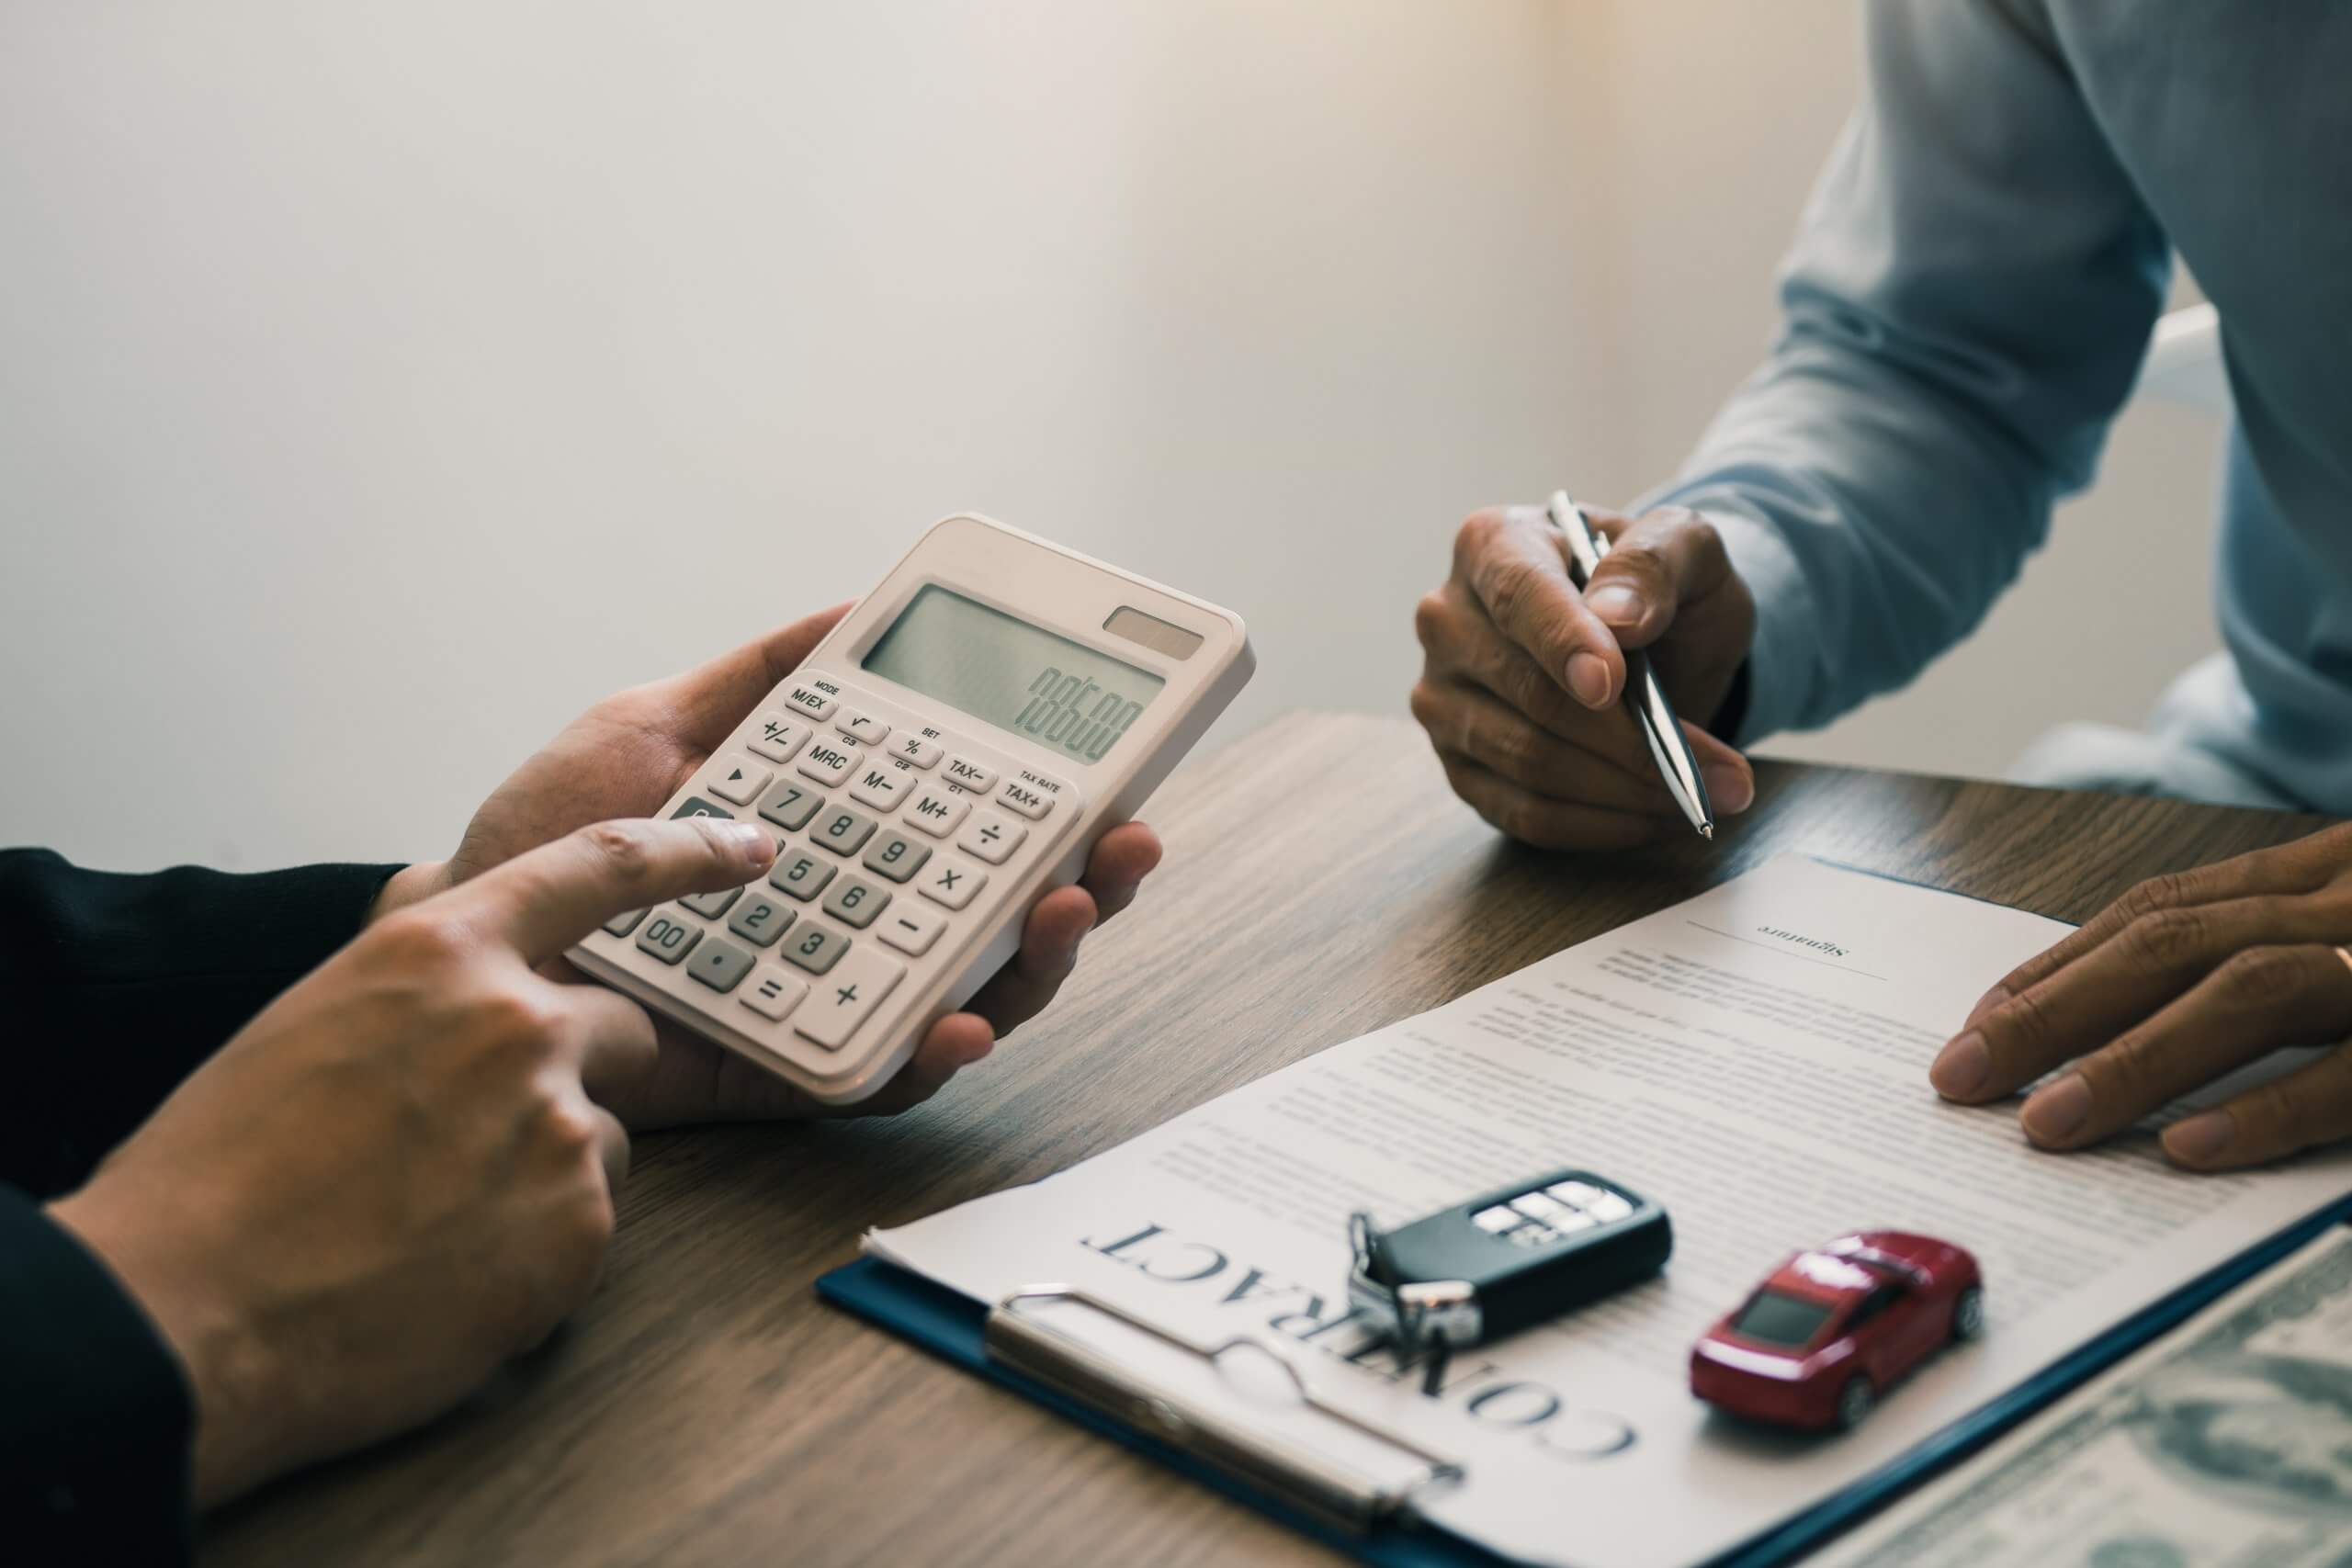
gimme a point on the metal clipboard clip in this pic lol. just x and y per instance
(1332, 1492)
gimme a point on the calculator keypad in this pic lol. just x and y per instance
(890, 835)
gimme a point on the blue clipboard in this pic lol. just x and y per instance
(951, 1326)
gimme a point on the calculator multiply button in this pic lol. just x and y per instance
(814, 947)
(991, 835)
(974, 776)
(789, 806)
(711, 906)
(855, 901)
(863, 728)
(912, 926)
(880, 782)
(952, 882)
(774, 992)
(937, 810)
(837, 1006)
(841, 830)
(808, 699)
(720, 963)
(829, 760)
(895, 856)
(777, 738)
(739, 780)
(800, 874)
(760, 919)
(1025, 798)
(912, 748)
(668, 938)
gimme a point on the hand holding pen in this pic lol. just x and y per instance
(1526, 681)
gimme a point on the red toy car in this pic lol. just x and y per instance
(1834, 1328)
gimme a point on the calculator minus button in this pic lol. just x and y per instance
(808, 699)
(846, 997)
(739, 781)
(912, 927)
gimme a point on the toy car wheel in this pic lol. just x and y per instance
(1855, 1402)
(1968, 1314)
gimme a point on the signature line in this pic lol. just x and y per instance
(1801, 957)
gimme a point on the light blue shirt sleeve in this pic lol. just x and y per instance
(1967, 305)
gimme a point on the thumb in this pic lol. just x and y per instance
(542, 902)
(1651, 568)
(711, 699)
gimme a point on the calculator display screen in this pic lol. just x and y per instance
(999, 669)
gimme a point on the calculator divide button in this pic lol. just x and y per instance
(991, 835)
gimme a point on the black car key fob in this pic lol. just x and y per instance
(1477, 1271)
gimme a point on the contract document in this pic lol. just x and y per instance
(1756, 1060)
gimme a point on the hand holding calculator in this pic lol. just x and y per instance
(949, 753)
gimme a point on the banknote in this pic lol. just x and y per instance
(2227, 1442)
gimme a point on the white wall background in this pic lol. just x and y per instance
(379, 386)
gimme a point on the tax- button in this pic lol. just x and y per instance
(992, 836)
(974, 776)
(1027, 799)
(840, 1002)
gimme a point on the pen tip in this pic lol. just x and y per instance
(1707, 831)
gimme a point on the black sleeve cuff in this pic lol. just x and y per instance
(95, 1428)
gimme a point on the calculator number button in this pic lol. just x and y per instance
(789, 806)
(739, 780)
(815, 948)
(668, 938)
(720, 965)
(992, 836)
(695, 806)
(760, 921)
(774, 992)
(880, 784)
(974, 776)
(852, 991)
(808, 699)
(841, 830)
(952, 882)
(1025, 798)
(895, 856)
(861, 727)
(777, 738)
(854, 902)
(624, 923)
(711, 906)
(828, 762)
(937, 810)
(800, 874)
(911, 927)
(912, 748)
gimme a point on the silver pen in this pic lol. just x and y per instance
(1642, 694)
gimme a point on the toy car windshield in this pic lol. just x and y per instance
(1772, 1317)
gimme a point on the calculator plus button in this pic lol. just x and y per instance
(800, 874)
(1025, 796)
(668, 938)
(806, 698)
(789, 806)
(881, 783)
(911, 746)
(695, 806)
(895, 856)
(952, 882)
(936, 810)
(913, 926)
(863, 728)
(739, 780)
(836, 1007)
(974, 776)
(829, 760)
(720, 965)
(624, 923)
(855, 901)
(777, 738)
(841, 830)
(760, 921)
(815, 948)
(774, 992)
(711, 906)
(992, 836)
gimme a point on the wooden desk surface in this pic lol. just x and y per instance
(706, 1408)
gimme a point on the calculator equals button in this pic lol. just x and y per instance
(773, 994)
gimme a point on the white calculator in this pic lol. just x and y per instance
(948, 755)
